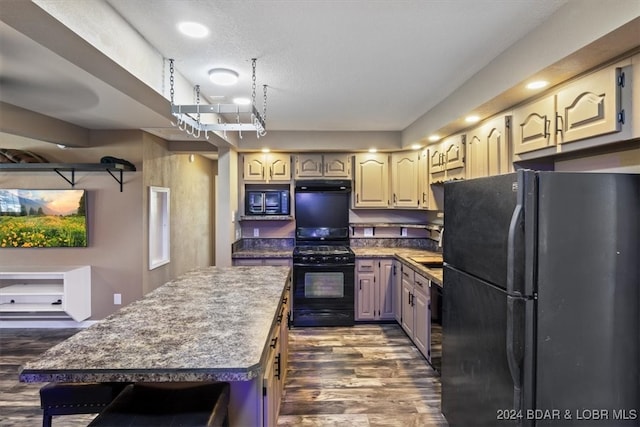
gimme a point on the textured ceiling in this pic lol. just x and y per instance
(338, 65)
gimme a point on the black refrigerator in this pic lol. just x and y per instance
(541, 310)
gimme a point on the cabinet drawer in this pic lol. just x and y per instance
(365, 265)
(421, 284)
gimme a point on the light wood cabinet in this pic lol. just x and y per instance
(447, 159)
(488, 148)
(405, 179)
(365, 291)
(533, 126)
(585, 108)
(397, 290)
(422, 315)
(375, 292)
(425, 199)
(276, 364)
(266, 167)
(330, 165)
(589, 107)
(47, 291)
(416, 309)
(407, 320)
(371, 180)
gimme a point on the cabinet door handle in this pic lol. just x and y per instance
(274, 342)
(547, 123)
(278, 367)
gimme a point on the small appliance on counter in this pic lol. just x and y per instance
(261, 200)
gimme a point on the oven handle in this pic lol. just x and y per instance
(350, 264)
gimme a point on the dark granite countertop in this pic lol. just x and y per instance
(210, 324)
(263, 253)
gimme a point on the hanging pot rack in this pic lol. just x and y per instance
(247, 118)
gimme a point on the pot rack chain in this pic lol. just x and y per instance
(192, 125)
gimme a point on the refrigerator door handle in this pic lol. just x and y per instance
(516, 220)
(512, 360)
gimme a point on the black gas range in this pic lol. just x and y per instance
(323, 263)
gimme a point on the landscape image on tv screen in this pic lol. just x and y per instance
(42, 218)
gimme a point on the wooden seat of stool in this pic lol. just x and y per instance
(76, 398)
(168, 404)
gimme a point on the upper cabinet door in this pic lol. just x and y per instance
(337, 165)
(487, 148)
(279, 167)
(436, 163)
(477, 155)
(267, 167)
(453, 153)
(589, 107)
(255, 166)
(372, 180)
(424, 190)
(405, 179)
(533, 126)
(309, 166)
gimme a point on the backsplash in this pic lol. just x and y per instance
(262, 244)
(426, 244)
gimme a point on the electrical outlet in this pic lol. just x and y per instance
(368, 232)
(403, 232)
(256, 232)
(117, 299)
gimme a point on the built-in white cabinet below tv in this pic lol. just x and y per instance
(36, 292)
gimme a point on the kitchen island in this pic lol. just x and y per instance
(212, 324)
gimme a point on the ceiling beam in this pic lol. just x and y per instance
(18, 121)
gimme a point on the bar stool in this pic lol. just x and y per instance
(76, 398)
(168, 404)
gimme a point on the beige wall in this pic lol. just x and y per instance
(114, 218)
(117, 221)
(191, 209)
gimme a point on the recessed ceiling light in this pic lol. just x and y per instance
(434, 138)
(223, 76)
(193, 29)
(472, 119)
(241, 101)
(538, 84)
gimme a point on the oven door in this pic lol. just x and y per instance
(323, 295)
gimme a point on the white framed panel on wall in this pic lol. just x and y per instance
(159, 231)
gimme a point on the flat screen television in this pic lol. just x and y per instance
(43, 218)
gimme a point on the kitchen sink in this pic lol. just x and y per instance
(428, 261)
(432, 264)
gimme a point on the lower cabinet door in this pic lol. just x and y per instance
(421, 326)
(407, 308)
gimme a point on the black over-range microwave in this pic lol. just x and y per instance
(267, 202)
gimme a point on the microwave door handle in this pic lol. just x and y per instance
(264, 202)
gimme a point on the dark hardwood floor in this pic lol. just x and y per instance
(367, 375)
(20, 402)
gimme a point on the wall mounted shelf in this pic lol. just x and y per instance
(114, 169)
